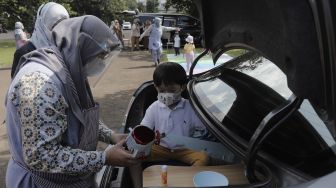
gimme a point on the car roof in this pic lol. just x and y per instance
(163, 14)
(292, 34)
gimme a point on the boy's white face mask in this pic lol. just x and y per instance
(169, 98)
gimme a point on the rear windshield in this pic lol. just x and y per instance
(241, 95)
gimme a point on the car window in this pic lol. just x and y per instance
(186, 21)
(169, 21)
(261, 69)
(238, 95)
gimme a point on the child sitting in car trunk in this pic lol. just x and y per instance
(171, 114)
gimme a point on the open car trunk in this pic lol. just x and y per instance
(271, 108)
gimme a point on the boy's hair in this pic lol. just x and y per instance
(169, 73)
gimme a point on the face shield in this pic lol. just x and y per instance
(97, 64)
(90, 45)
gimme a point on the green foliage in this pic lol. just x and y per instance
(25, 11)
(17, 10)
(131, 4)
(141, 7)
(183, 6)
(152, 6)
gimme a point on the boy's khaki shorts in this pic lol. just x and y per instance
(191, 157)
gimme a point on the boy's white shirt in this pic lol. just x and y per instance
(181, 121)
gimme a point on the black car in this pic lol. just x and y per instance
(272, 104)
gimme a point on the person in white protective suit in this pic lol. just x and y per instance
(155, 33)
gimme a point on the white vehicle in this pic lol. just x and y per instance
(126, 26)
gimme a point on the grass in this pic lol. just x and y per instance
(7, 49)
(232, 53)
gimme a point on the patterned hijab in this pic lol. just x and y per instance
(79, 40)
(48, 15)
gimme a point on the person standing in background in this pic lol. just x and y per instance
(177, 43)
(189, 48)
(155, 33)
(48, 16)
(118, 31)
(20, 35)
(146, 37)
(112, 25)
(135, 34)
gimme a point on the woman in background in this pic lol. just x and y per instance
(20, 35)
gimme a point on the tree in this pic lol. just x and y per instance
(15, 10)
(141, 7)
(184, 6)
(152, 6)
(167, 5)
(131, 4)
(12, 11)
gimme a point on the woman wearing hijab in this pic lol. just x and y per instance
(19, 35)
(52, 118)
(118, 31)
(135, 34)
(155, 33)
(48, 16)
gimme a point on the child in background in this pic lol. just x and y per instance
(171, 114)
(189, 48)
(177, 43)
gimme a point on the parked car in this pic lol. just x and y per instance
(272, 105)
(126, 26)
(188, 24)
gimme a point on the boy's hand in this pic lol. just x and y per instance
(118, 156)
(158, 137)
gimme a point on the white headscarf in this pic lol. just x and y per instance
(157, 22)
(19, 25)
(48, 15)
(190, 39)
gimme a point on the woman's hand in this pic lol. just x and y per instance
(115, 137)
(118, 156)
